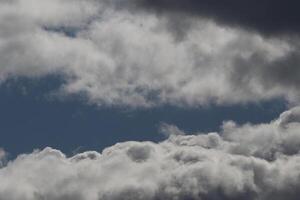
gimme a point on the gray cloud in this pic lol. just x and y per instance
(270, 17)
(241, 162)
(118, 57)
(278, 75)
(2, 157)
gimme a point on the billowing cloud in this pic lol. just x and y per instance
(118, 56)
(241, 162)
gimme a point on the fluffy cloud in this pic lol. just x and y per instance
(118, 56)
(241, 162)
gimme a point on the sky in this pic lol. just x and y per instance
(28, 106)
(149, 99)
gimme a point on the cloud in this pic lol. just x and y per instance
(267, 16)
(169, 130)
(241, 162)
(118, 57)
(2, 157)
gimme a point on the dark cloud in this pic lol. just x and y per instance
(280, 74)
(266, 16)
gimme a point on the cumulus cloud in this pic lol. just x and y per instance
(115, 55)
(241, 162)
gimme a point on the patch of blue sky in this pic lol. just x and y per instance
(31, 118)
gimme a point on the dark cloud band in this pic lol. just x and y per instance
(266, 16)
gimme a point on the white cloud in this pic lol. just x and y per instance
(242, 162)
(122, 57)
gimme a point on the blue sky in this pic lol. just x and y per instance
(33, 118)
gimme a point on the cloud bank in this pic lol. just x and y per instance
(266, 16)
(122, 53)
(241, 162)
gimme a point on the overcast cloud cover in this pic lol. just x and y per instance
(143, 53)
(130, 53)
(241, 162)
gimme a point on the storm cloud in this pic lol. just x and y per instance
(241, 162)
(266, 16)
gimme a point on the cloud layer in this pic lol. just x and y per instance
(241, 162)
(116, 53)
(142, 53)
(266, 16)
